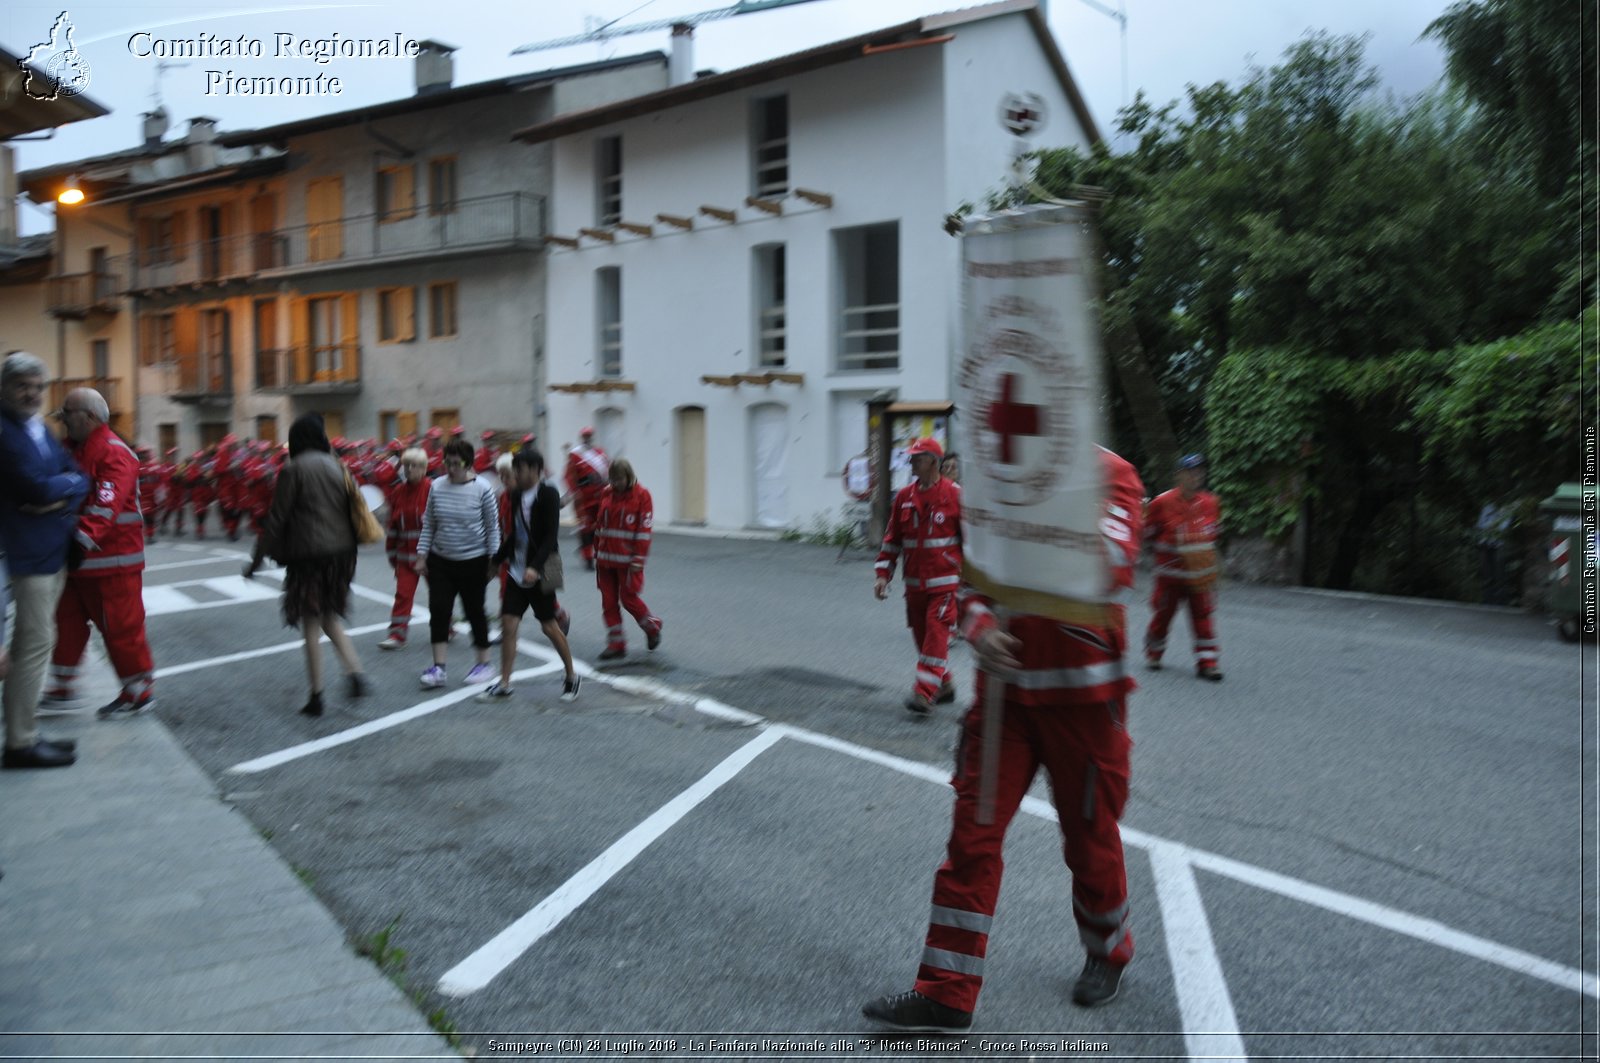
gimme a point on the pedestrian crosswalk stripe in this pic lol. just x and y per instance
(160, 599)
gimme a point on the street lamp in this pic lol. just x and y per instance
(72, 194)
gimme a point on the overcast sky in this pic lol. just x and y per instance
(1171, 44)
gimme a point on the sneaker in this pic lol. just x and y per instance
(124, 708)
(481, 673)
(494, 692)
(947, 693)
(391, 643)
(53, 704)
(919, 705)
(434, 677)
(564, 618)
(652, 639)
(1099, 982)
(1208, 671)
(611, 653)
(913, 1011)
(569, 688)
(360, 685)
(1153, 663)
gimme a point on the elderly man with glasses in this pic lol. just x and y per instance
(40, 489)
(105, 578)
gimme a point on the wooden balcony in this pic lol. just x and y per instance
(77, 295)
(109, 387)
(322, 369)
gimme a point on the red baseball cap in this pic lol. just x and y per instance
(926, 445)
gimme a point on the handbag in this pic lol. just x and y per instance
(552, 577)
(362, 522)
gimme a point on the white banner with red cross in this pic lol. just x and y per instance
(1029, 394)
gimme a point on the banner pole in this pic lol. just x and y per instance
(994, 707)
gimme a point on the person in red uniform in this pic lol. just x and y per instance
(433, 446)
(925, 528)
(230, 482)
(202, 487)
(176, 493)
(106, 562)
(623, 522)
(1182, 526)
(487, 454)
(587, 472)
(407, 503)
(149, 490)
(386, 470)
(1065, 709)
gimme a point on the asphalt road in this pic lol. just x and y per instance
(1375, 838)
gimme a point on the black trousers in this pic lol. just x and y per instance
(446, 580)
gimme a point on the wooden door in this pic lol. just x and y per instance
(692, 465)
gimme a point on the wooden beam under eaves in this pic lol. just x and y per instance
(821, 199)
(635, 228)
(771, 206)
(721, 381)
(675, 220)
(563, 241)
(718, 213)
(599, 234)
(613, 385)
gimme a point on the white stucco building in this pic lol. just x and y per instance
(739, 262)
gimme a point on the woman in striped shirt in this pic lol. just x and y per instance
(460, 537)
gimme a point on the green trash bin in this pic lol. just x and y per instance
(1572, 563)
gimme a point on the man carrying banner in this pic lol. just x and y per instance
(925, 526)
(1182, 525)
(1051, 529)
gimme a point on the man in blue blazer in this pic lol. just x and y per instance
(40, 491)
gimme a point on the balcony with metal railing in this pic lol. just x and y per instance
(310, 369)
(77, 295)
(203, 378)
(508, 221)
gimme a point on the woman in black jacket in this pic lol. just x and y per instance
(527, 545)
(308, 531)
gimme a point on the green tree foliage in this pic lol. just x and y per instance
(1305, 268)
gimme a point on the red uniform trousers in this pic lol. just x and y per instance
(623, 586)
(114, 605)
(406, 579)
(1084, 750)
(1164, 601)
(929, 617)
(586, 506)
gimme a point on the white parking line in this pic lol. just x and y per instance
(1210, 1027)
(384, 723)
(480, 968)
(264, 651)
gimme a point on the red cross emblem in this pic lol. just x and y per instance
(1010, 419)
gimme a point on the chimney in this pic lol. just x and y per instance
(8, 189)
(680, 64)
(155, 127)
(436, 67)
(201, 149)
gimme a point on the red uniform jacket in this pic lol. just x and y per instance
(622, 527)
(151, 477)
(110, 526)
(406, 505)
(1076, 664)
(924, 527)
(1184, 534)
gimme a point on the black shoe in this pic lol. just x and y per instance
(1099, 982)
(360, 685)
(68, 744)
(569, 688)
(611, 653)
(652, 639)
(913, 1011)
(1208, 671)
(918, 705)
(947, 693)
(1153, 663)
(39, 755)
(313, 707)
(124, 708)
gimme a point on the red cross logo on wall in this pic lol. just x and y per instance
(1010, 419)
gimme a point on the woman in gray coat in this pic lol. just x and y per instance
(308, 531)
